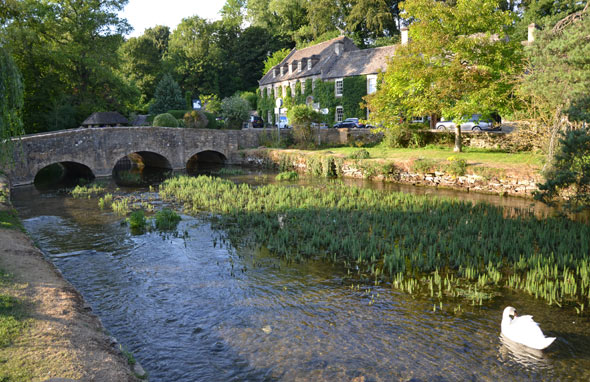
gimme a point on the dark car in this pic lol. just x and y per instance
(256, 121)
(349, 123)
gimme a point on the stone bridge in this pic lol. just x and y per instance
(99, 149)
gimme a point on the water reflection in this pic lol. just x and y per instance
(193, 308)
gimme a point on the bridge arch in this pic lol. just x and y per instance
(205, 159)
(141, 167)
(65, 173)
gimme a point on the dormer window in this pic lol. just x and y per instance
(299, 66)
(309, 64)
(291, 68)
(274, 72)
(282, 70)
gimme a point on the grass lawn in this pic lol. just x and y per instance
(473, 156)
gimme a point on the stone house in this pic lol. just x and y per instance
(329, 61)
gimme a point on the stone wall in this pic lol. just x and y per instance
(505, 185)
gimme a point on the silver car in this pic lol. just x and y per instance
(474, 123)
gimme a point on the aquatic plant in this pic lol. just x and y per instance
(121, 206)
(85, 191)
(166, 219)
(467, 250)
(287, 175)
(225, 171)
(360, 154)
(137, 220)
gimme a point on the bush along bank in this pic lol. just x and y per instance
(449, 173)
(420, 244)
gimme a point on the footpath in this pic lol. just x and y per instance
(58, 337)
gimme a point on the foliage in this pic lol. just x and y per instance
(167, 96)
(235, 110)
(86, 192)
(360, 154)
(301, 117)
(178, 114)
(266, 105)
(137, 221)
(544, 13)
(166, 219)
(355, 88)
(569, 174)
(275, 59)
(165, 120)
(11, 104)
(66, 52)
(196, 119)
(251, 98)
(287, 175)
(211, 103)
(557, 79)
(396, 135)
(399, 237)
(451, 67)
(9, 220)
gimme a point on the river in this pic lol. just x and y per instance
(193, 308)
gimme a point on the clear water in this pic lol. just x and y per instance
(192, 308)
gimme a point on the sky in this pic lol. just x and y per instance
(142, 14)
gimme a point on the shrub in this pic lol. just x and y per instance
(360, 154)
(287, 175)
(456, 167)
(165, 120)
(137, 220)
(235, 110)
(178, 114)
(396, 136)
(167, 96)
(301, 117)
(211, 103)
(251, 98)
(424, 166)
(212, 122)
(196, 119)
(166, 219)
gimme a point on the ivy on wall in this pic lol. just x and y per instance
(354, 89)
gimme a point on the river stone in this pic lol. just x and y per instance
(138, 370)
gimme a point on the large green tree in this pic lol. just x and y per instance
(142, 61)
(556, 82)
(451, 67)
(544, 13)
(66, 51)
(11, 103)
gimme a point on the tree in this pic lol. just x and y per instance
(235, 110)
(544, 13)
(72, 46)
(301, 117)
(275, 59)
(450, 68)
(11, 103)
(555, 84)
(569, 174)
(167, 96)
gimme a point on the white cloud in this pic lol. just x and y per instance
(142, 14)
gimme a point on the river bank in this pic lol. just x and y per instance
(57, 335)
(470, 172)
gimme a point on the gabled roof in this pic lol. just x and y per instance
(322, 54)
(103, 118)
(361, 62)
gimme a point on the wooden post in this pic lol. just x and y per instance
(458, 147)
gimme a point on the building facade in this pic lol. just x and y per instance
(331, 76)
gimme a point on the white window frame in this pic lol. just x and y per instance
(309, 64)
(373, 79)
(299, 65)
(339, 114)
(302, 86)
(338, 90)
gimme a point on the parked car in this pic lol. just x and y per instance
(256, 121)
(349, 123)
(474, 123)
(322, 125)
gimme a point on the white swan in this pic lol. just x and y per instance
(524, 330)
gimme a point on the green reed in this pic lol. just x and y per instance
(87, 191)
(467, 250)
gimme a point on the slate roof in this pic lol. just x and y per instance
(360, 62)
(322, 54)
(105, 118)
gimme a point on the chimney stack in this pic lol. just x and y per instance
(532, 28)
(339, 47)
(404, 32)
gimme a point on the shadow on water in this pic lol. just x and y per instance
(193, 307)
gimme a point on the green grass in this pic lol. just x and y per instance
(414, 242)
(12, 316)
(490, 158)
(10, 220)
(287, 176)
(166, 219)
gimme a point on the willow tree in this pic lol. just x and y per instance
(457, 63)
(11, 103)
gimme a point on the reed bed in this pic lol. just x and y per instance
(420, 244)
